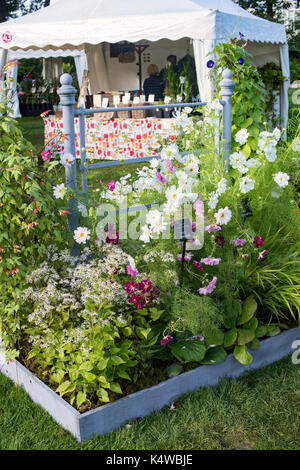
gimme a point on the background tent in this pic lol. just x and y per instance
(91, 25)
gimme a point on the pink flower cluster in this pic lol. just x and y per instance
(167, 340)
(210, 261)
(210, 288)
(187, 257)
(258, 242)
(238, 242)
(213, 228)
(143, 293)
(46, 155)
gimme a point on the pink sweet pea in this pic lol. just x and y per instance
(132, 272)
(111, 185)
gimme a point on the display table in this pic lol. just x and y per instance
(113, 140)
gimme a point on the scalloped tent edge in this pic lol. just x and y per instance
(86, 28)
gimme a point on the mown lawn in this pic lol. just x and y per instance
(257, 412)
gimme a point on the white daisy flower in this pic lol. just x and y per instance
(146, 234)
(223, 216)
(282, 179)
(81, 235)
(59, 191)
(242, 136)
(246, 184)
(66, 159)
(222, 185)
(213, 200)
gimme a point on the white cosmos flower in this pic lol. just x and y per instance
(223, 216)
(174, 195)
(153, 217)
(213, 200)
(237, 159)
(282, 179)
(81, 235)
(159, 226)
(253, 163)
(170, 152)
(154, 163)
(82, 209)
(296, 145)
(271, 153)
(276, 133)
(246, 184)
(192, 168)
(221, 186)
(59, 191)
(146, 234)
(242, 136)
(66, 159)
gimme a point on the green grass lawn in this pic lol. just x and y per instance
(259, 411)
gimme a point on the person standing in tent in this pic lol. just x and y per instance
(153, 85)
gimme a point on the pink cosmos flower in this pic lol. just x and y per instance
(132, 272)
(210, 261)
(167, 340)
(170, 166)
(187, 257)
(262, 255)
(131, 287)
(198, 207)
(213, 228)
(198, 265)
(258, 242)
(160, 177)
(210, 288)
(145, 286)
(111, 185)
(46, 155)
(238, 242)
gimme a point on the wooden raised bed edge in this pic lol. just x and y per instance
(113, 415)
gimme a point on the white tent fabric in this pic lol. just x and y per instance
(70, 24)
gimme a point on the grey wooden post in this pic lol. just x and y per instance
(227, 89)
(67, 100)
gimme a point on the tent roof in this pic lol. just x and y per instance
(70, 23)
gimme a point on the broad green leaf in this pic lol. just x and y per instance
(248, 310)
(251, 324)
(246, 150)
(214, 355)
(101, 365)
(123, 375)
(103, 395)
(245, 336)
(142, 332)
(116, 360)
(174, 369)
(254, 344)
(189, 351)
(127, 331)
(230, 338)
(261, 331)
(115, 387)
(274, 331)
(242, 355)
(216, 338)
(88, 376)
(80, 399)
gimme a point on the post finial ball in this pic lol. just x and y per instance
(227, 74)
(66, 79)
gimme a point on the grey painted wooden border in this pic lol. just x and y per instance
(113, 415)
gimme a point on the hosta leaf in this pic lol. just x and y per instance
(216, 338)
(248, 310)
(189, 351)
(230, 338)
(245, 336)
(80, 398)
(115, 387)
(242, 355)
(174, 369)
(214, 355)
(274, 331)
(261, 331)
(254, 344)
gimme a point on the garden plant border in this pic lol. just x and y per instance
(113, 415)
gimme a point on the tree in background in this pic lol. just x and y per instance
(8, 9)
(268, 9)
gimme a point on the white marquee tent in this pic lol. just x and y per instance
(85, 29)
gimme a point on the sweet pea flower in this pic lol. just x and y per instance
(198, 207)
(111, 185)
(167, 340)
(262, 255)
(210, 288)
(131, 271)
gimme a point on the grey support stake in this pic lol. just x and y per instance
(67, 100)
(227, 89)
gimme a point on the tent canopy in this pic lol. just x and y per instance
(92, 24)
(73, 22)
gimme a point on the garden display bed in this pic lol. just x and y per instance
(111, 416)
